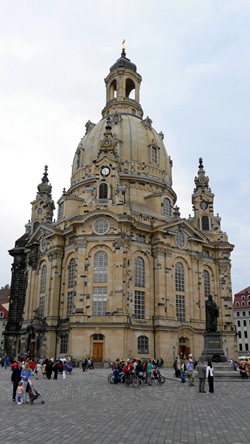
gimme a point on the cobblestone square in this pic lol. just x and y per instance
(86, 408)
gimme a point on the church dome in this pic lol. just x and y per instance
(136, 150)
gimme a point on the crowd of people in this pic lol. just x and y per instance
(142, 369)
(185, 369)
(24, 368)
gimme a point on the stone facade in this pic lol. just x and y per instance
(120, 273)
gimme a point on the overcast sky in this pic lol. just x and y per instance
(194, 59)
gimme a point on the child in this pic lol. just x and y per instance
(19, 393)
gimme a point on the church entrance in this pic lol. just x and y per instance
(97, 351)
(97, 347)
(184, 348)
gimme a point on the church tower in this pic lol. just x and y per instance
(120, 272)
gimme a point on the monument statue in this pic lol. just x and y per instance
(212, 313)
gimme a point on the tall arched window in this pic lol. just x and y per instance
(205, 223)
(207, 290)
(101, 267)
(166, 207)
(71, 275)
(139, 272)
(103, 190)
(43, 279)
(179, 277)
(180, 288)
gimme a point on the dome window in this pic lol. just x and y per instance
(166, 207)
(154, 157)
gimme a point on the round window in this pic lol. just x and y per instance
(101, 226)
(180, 239)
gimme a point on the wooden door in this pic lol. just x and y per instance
(97, 351)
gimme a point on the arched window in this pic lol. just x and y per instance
(207, 290)
(205, 223)
(166, 207)
(103, 190)
(71, 273)
(179, 277)
(154, 154)
(43, 279)
(101, 267)
(142, 345)
(113, 90)
(130, 86)
(139, 272)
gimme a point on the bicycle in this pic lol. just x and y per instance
(132, 379)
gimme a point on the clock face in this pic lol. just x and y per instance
(105, 170)
(203, 205)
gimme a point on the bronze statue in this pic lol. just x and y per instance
(212, 313)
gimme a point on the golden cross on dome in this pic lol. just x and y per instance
(123, 45)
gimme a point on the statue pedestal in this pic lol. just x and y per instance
(213, 347)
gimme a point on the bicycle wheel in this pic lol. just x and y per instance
(136, 383)
(111, 378)
(162, 379)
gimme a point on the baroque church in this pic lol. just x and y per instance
(119, 272)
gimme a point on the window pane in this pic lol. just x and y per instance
(179, 277)
(139, 304)
(43, 279)
(103, 191)
(101, 267)
(139, 272)
(206, 283)
(180, 308)
(166, 207)
(72, 278)
(142, 345)
(70, 302)
(100, 301)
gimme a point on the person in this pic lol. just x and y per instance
(139, 369)
(212, 313)
(49, 367)
(201, 369)
(26, 373)
(19, 393)
(190, 372)
(176, 366)
(210, 376)
(149, 372)
(6, 362)
(55, 369)
(161, 362)
(64, 369)
(182, 369)
(116, 371)
(38, 370)
(15, 378)
(84, 364)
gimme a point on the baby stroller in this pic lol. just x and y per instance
(33, 393)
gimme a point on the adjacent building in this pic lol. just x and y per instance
(241, 308)
(119, 272)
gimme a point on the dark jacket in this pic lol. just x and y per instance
(16, 375)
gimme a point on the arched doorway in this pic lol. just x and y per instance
(184, 347)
